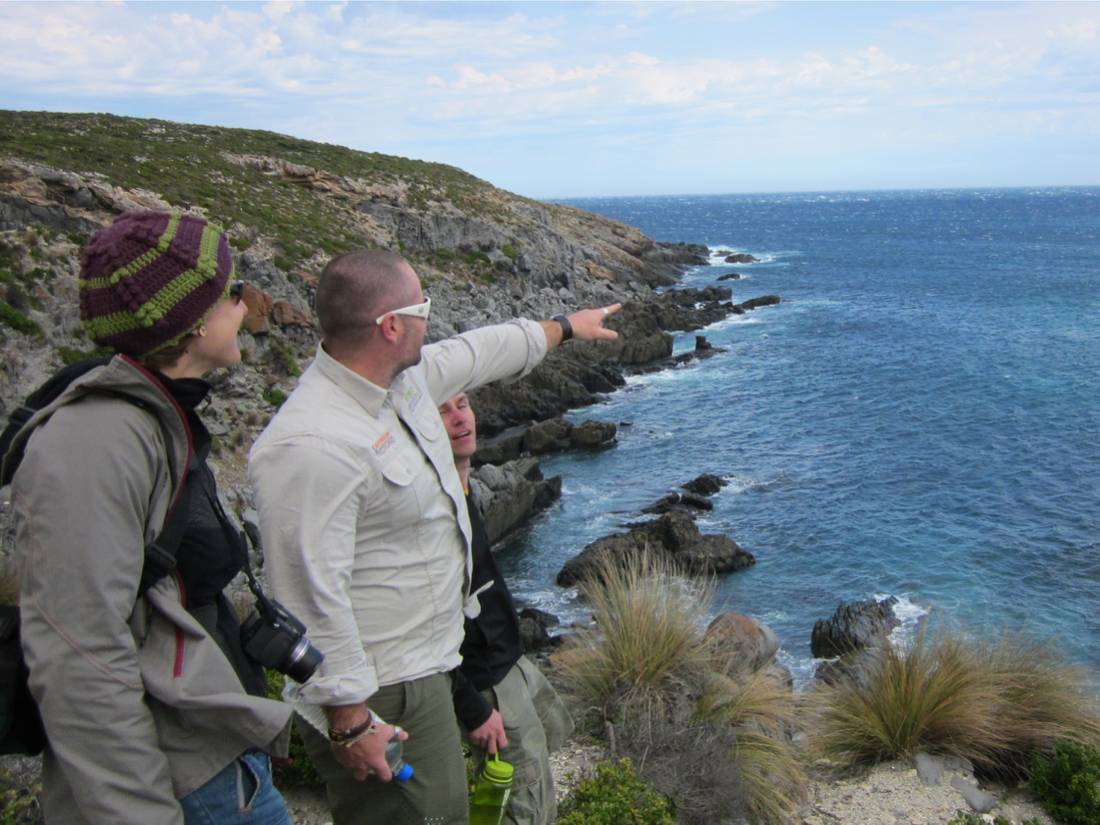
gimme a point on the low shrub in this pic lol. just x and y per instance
(1067, 783)
(693, 763)
(71, 355)
(969, 818)
(18, 805)
(15, 319)
(616, 796)
(284, 357)
(274, 396)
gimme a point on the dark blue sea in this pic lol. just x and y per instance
(919, 418)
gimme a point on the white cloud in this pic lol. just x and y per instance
(278, 9)
(370, 73)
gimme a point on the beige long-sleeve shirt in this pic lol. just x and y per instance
(363, 517)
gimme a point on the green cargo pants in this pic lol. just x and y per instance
(536, 723)
(437, 792)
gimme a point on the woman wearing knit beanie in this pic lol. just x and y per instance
(153, 713)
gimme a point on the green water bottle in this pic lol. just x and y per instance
(490, 798)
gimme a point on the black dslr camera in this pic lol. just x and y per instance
(276, 639)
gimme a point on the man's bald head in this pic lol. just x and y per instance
(358, 287)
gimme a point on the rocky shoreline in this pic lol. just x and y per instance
(485, 256)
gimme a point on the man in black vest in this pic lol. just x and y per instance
(501, 699)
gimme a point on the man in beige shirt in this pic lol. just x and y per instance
(366, 534)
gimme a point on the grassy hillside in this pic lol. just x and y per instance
(207, 167)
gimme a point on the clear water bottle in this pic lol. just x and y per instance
(395, 754)
(489, 800)
(395, 758)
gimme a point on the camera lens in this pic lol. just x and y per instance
(302, 661)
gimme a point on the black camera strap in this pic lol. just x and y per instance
(243, 539)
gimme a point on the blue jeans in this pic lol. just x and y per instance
(242, 794)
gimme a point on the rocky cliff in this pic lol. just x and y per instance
(289, 205)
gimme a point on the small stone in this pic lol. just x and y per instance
(929, 768)
(975, 797)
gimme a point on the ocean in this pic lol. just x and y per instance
(919, 417)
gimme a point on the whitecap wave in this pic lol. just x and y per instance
(717, 256)
(801, 667)
(737, 484)
(910, 614)
(732, 321)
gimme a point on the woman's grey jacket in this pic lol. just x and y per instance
(140, 705)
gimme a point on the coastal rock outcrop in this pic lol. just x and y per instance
(741, 258)
(557, 435)
(756, 303)
(673, 501)
(511, 494)
(694, 497)
(703, 350)
(673, 536)
(853, 626)
(706, 484)
(542, 437)
(743, 642)
(534, 629)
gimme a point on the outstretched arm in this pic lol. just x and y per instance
(586, 324)
(504, 351)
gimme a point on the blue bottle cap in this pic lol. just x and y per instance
(404, 773)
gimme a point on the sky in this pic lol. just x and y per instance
(560, 100)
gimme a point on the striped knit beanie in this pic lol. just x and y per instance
(150, 278)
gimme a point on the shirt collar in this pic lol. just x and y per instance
(368, 395)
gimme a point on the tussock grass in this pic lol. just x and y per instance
(718, 743)
(992, 702)
(763, 714)
(646, 649)
(1043, 700)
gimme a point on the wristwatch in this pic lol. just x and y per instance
(566, 327)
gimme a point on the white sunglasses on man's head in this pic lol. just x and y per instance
(417, 310)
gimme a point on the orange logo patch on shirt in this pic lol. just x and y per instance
(382, 443)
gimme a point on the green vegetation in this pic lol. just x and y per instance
(647, 641)
(510, 250)
(275, 397)
(615, 796)
(11, 317)
(70, 355)
(200, 166)
(1067, 783)
(994, 703)
(968, 818)
(298, 771)
(762, 711)
(18, 806)
(717, 743)
(284, 357)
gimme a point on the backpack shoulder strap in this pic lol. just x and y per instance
(160, 553)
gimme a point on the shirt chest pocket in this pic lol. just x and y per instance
(399, 464)
(428, 425)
